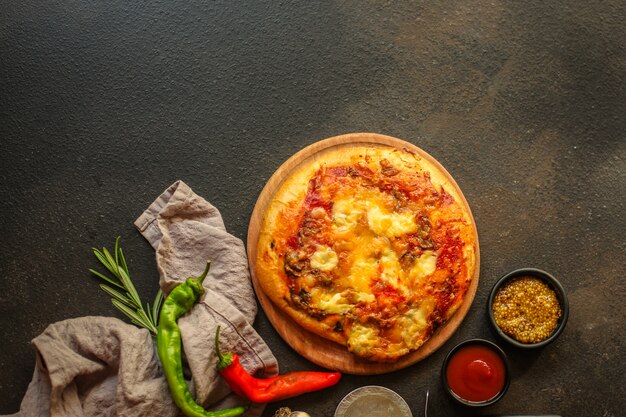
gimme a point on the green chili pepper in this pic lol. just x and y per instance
(169, 346)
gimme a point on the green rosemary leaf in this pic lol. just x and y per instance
(151, 325)
(156, 306)
(103, 260)
(107, 279)
(133, 315)
(144, 316)
(113, 267)
(136, 323)
(116, 250)
(118, 296)
(128, 284)
(123, 262)
(149, 313)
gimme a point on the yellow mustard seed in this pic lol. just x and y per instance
(527, 309)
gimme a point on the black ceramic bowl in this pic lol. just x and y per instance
(553, 283)
(493, 348)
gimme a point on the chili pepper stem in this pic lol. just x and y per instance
(223, 359)
(205, 273)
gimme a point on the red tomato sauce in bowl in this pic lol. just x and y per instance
(476, 373)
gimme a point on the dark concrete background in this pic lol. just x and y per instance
(105, 104)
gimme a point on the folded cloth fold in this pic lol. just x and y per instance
(101, 367)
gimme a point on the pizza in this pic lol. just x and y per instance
(370, 246)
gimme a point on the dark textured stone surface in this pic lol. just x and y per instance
(105, 104)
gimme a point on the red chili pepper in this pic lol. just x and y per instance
(265, 390)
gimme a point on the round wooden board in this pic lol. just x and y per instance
(318, 350)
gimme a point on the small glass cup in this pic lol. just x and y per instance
(373, 401)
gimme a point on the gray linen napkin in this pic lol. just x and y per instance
(102, 367)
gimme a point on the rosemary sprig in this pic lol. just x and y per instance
(123, 293)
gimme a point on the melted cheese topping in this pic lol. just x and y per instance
(324, 259)
(391, 271)
(346, 214)
(334, 304)
(388, 224)
(425, 265)
(362, 338)
(415, 321)
(340, 303)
